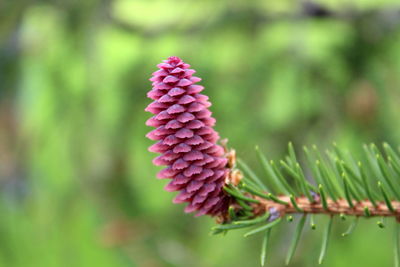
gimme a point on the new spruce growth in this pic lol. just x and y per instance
(208, 177)
(186, 139)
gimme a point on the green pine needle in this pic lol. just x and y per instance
(323, 175)
(351, 227)
(389, 179)
(253, 221)
(366, 185)
(347, 193)
(253, 191)
(237, 194)
(385, 197)
(276, 199)
(294, 203)
(296, 238)
(246, 169)
(280, 184)
(306, 186)
(313, 225)
(265, 246)
(263, 228)
(325, 241)
(232, 213)
(323, 197)
(244, 205)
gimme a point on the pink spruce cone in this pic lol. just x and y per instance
(186, 139)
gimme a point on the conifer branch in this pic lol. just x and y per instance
(338, 207)
(337, 186)
(209, 180)
(351, 192)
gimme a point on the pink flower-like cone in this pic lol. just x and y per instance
(186, 139)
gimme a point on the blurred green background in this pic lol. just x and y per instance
(77, 186)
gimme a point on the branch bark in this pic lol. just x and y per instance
(340, 206)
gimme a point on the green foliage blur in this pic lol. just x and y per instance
(77, 186)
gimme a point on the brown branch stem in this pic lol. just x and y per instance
(340, 206)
